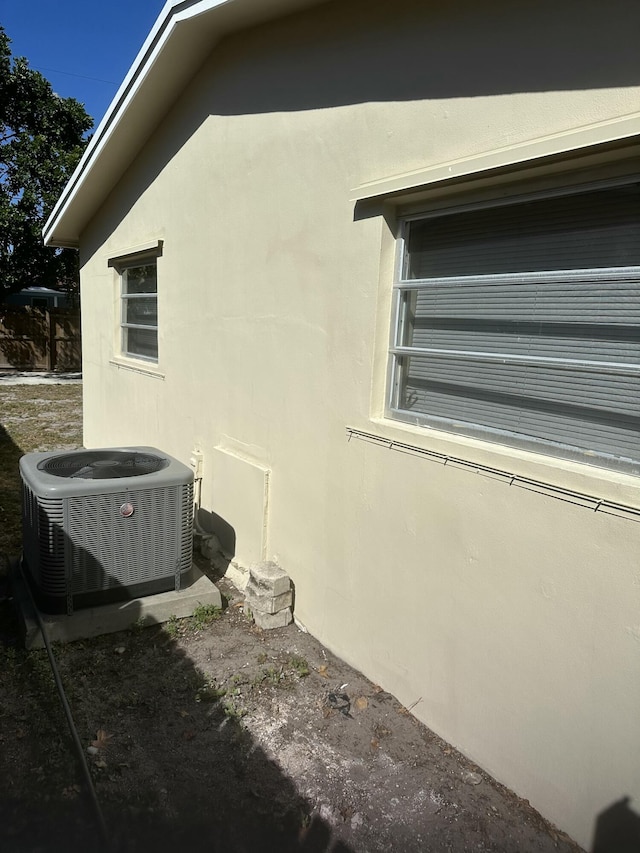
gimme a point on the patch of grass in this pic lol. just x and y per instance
(42, 417)
(305, 819)
(172, 627)
(8, 659)
(196, 680)
(294, 668)
(272, 675)
(139, 625)
(233, 712)
(204, 615)
(299, 665)
(210, 693)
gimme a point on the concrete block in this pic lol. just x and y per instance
(273, 620)
(269, 579)
(116, 616)
(237, 574)
(267, 603)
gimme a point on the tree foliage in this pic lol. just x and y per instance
(42, 137)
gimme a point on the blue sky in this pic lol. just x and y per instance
(83, 47)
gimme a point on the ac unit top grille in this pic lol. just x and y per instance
(108, 464)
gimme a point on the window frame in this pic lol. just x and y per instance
(134, 259)
(465, 199)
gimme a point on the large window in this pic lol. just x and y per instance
(139, 310)
(518, 321)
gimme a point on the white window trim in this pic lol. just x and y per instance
(582, 147)
(399, 352)
(147, 368)
(135, 256)
(593, 156)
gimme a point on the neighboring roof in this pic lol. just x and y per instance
(36, 290)
(181, 39)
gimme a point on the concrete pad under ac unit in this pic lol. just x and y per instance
(115, 616)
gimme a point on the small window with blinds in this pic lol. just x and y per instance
(519, 322)
(138, 285)
(139, 307)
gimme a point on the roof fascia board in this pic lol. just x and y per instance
(132, 81)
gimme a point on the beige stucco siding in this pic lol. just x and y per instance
(512, 616)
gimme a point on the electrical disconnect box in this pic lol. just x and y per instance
(195, 462)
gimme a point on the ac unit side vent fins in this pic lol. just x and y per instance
(89, 536)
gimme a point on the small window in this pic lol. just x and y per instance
(518, 321)
(140, 311)
(138, 271)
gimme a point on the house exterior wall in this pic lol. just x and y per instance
(510, 617)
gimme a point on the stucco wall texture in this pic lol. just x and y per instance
(512, 616)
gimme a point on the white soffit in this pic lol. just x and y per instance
(182, 38)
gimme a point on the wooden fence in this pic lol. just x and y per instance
(39, 339)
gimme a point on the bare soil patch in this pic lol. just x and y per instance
(208, 734)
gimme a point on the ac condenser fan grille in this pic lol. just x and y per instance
(103, 465)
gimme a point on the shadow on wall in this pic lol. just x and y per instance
(617, 829)
(212, 523)
(364, 52)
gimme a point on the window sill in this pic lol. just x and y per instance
(594, 488)
(146, 368)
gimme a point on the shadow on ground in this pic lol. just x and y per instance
(171, 763)
(172, 720)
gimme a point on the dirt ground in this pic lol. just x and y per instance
(208, 734)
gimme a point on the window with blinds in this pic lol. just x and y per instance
(138, 284)
(520, 323)
(139, 308)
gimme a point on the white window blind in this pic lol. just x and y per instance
(140, 311)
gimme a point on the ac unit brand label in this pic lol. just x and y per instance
(126, 510)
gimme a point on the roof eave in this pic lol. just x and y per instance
(182, 38)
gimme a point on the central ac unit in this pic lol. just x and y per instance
(104, 525)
